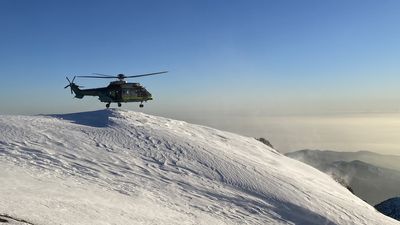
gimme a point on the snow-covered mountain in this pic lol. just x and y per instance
(122, 167)
(390, 207)
(371, 183)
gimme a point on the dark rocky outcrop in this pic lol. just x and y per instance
(265, 141)
(390, 207)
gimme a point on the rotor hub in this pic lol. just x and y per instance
(121, 76)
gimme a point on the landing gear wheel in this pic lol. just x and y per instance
(119, 104)
(108, 105)
(141, 105)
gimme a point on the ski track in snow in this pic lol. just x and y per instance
(161, 171)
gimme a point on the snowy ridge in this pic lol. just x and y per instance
(123, 167)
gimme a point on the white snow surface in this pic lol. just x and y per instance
(125, 167)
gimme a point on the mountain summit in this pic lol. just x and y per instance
(124, 167)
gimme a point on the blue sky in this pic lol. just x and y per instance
(247, 58)
(234, 53)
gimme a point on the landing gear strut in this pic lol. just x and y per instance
(119, 104)
(108, 105)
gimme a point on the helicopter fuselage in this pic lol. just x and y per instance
(116, 91)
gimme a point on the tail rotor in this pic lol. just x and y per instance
(70, 83)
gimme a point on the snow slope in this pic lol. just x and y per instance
(123, 167)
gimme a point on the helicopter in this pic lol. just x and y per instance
(117, 91)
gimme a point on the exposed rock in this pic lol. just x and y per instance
(265, 141)
(390, 207)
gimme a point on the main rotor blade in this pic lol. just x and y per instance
(67, 86)
(68, 80)
(118, 77)
(146, 74)
(98, 77)
(106, 75)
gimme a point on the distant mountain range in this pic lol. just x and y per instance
(373, 177)
(327, 157)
